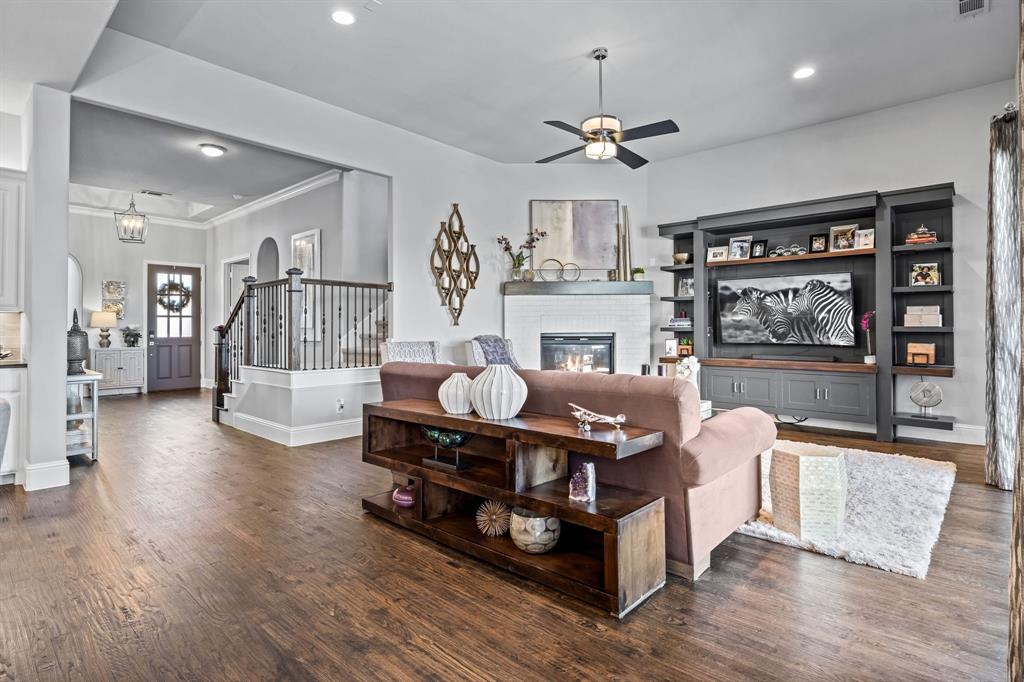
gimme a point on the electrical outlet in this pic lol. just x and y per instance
(340, 405)
(652, 261)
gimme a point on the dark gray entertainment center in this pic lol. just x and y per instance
(795, 380)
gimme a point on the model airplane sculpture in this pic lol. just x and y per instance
(587, 418)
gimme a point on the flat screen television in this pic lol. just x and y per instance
(807, 310)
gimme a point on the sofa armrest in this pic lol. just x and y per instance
(726, 441)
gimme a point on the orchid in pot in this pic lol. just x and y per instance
(865, 326)
(518, 258)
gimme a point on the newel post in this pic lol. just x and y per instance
(249, 321)
(293, 325)
(220, 370)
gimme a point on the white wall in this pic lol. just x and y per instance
(366, 224)
(93, 241)
(944, 139)
(10, 142)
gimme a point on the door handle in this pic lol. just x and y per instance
(734, 389)
(826, 394)
(743, 387)
(817, 394)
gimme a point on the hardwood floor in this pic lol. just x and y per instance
(192, 551)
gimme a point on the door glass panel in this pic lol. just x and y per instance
(162, 327)
(186, 326)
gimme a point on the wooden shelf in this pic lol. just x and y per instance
(922, 330)
(677, 268)
(925, 371)
(786, 259)
(914, 248)
(810, 366)
(934, 289)
(936, 422)
(676, 299)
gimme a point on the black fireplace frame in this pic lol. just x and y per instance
(601, 337)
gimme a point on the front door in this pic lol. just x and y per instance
(175, 327)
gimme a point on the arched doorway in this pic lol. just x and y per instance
(75, 292)
(267, 268)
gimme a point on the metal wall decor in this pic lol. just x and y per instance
(454, 264)
(554, 270)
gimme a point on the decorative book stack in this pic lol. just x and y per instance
(681, 322)
(923, 316)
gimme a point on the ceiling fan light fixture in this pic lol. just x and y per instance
(601, 149)
(595, 124)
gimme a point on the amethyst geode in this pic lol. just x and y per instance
(583, 484)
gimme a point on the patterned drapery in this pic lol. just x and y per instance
(1003, 301)
(1015, 656)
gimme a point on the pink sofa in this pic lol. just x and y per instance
(708, 473)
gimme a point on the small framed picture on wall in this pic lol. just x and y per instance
(717, 254)
(818, 243)
(671, 347)
(864, 239)
(759, 248)
(739, 248)
(841, 237)
(925, 275)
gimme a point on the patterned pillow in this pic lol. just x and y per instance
(411, 351)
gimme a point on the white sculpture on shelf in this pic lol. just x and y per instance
(689, 368)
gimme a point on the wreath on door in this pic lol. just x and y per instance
(173, 296)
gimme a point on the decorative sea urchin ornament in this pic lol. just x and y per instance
(492, 518)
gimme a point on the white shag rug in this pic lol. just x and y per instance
(894, 510)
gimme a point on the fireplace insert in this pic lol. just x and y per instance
(578, 352)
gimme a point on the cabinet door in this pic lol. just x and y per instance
(106, 363)
(720, 386)
(134, 364)
(759, 389)
(852, 396)
(801, 393)
(12, 194)
(11, 387)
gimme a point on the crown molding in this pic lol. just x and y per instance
(94, 212)
(299, 188)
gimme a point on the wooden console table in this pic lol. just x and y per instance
(611, 552)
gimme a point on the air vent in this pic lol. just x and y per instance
(971, 8)
(154, 193)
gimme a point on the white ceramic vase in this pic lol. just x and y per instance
(454, 394)
(498, 393)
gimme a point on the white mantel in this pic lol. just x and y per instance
(532, 309)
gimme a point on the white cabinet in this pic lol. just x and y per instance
(13, 382)
(123, 369)
(12, 243)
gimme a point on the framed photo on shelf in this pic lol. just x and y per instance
(818, 243)
(671, 347)
(759, 248)
(841, 237)
(925, 275)
(739, 248)
(864, 239)
(717, 254)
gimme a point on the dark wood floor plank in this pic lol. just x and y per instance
(192, 551)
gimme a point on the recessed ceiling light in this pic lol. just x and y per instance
(344, 18)
(212, 150)
(803, 72)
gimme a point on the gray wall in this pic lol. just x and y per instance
(936, 140)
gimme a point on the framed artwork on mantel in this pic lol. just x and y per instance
(306, 253)
(582, 232)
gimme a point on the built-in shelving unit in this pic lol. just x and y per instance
(684, 240)
(747, 374)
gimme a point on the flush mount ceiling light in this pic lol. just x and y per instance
(602, 135)
(131, 225)
(344, 18)
(803, 72)
(212, 150)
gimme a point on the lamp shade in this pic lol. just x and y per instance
(103, 319)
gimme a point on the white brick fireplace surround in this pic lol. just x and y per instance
(536, 308)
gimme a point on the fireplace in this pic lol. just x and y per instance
(578, 352)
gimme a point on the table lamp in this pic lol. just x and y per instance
(103, 320)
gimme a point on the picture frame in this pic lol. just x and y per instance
(581, 231)
(671, 347)
(864, 239)
(306, 253)
(925, 275)
(842, 237)
(818, 243)
(739, 247)
(759, 248)
(717, 254)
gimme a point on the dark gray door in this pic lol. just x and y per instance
(174, 346)
(721, 386)
(801, 393)
(759, 389)
(848, 395)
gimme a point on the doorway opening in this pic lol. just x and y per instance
(267, 261)
(235, 269)
(174, 336)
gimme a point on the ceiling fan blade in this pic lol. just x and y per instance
(565, 153)
(629, 158)
(566, 127)
(650, 130)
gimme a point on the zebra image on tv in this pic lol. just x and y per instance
(797, 310)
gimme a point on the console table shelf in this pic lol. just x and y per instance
(783, 259)
(611, 551)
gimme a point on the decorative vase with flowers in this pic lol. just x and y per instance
(518, 258)
(865, 326)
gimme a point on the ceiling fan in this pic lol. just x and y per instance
(603, 135)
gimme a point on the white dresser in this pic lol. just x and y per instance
(123, 369)
(13, 382)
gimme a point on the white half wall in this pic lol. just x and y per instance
(932, 141)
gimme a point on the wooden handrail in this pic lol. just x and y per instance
(235, 311)
(388, 286)
(269, 283)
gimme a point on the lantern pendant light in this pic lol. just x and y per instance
(131, 225)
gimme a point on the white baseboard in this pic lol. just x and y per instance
(47, 475)
(207, 383)
(969, 434)
(298, 435)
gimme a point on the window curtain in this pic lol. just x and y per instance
(1015, 653)
(1003, 304)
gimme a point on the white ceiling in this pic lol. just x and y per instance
(113, 153)
(484, 75)
(47, 42)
